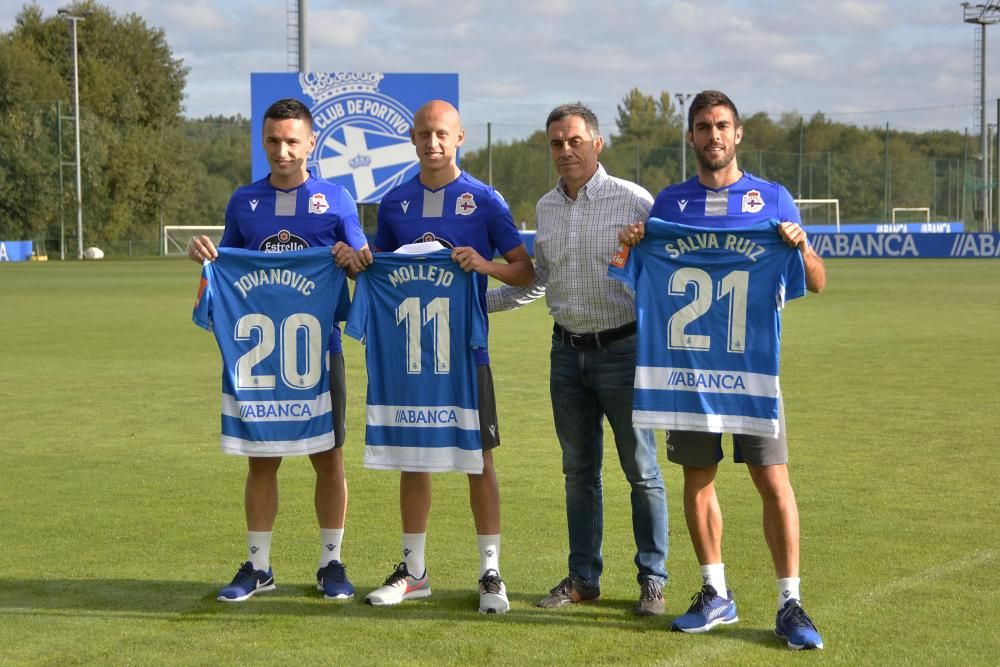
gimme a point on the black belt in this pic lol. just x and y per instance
(593, 341)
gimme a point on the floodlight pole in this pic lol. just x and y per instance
(682, 99)
(64, 12)
(982, 15)
(303, 45)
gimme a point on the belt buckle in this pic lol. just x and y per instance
(577, 340)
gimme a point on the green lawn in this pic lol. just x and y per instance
(121, 518)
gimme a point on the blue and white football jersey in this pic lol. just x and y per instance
(318, 213)
(708, 305)
(420, 319)
(466, 212)
(271, 315)
(747, 201)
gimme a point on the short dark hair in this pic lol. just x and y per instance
(289, 108)
(577, 109)
(707, 99)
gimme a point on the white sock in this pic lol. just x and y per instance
(788, 589)
(714, 575)
(330, 539)
(489, 553)
(259, 549)
(413, 553)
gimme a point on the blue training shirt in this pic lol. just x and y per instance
(420, 319)
(747, 201)
(466, 212)
(708, 305)
(271, 314)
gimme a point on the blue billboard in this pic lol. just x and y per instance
(15, 251)
(362, 122)
(906, 245)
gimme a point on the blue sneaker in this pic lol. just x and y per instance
(332, 580)
(796, 628)
(247, 582)
(708, 609)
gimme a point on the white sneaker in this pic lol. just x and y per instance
(492, 594)
(399, 586)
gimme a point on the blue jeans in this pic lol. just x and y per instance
(585, 386)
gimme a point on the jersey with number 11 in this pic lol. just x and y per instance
(708, 305)
(420, 319)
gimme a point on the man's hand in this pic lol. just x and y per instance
(470, 260)
(793, 234)
(630, 235)
(201, 248)
(351, 260)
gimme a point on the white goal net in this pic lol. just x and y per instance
(177, 237)
(911, 214)
(819, 211)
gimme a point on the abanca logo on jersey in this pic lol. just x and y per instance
(283, 241)
(363, 135)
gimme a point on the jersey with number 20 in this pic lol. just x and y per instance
(420, 319)
(271, 314)
(708, 305)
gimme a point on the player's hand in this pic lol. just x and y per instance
(351, 260)
(632, 234)
(470, 260)
(201, 248)
(793, 234)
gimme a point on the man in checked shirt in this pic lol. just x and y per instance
(593, 357)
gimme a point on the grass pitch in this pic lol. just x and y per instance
(121, 519)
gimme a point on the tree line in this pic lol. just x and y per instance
(145, 165)
(869, 169)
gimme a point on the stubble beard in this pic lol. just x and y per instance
(715, 165)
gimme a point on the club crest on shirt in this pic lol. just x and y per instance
(317, 203)
(465, 204)
(752, 201)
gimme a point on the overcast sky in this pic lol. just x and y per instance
(905, 62)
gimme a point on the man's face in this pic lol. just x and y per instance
(288, 143)
(437, 133)
(574, 150)
(714, 137)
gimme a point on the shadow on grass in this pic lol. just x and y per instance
(195, 601)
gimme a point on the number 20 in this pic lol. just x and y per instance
(735, 284)
(290, 327)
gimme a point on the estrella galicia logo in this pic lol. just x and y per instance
(283, 241)
(363, 136)
(427, 237)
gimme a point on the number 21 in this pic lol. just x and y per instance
(735, 284)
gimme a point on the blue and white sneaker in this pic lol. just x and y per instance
(796, 628)
(247, 582)
(332, 580)
(708, 609)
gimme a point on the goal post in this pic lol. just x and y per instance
(917, 209)
(177, 237)
(819, 211)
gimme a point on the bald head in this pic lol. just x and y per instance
(437, 133)
(437, 109)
